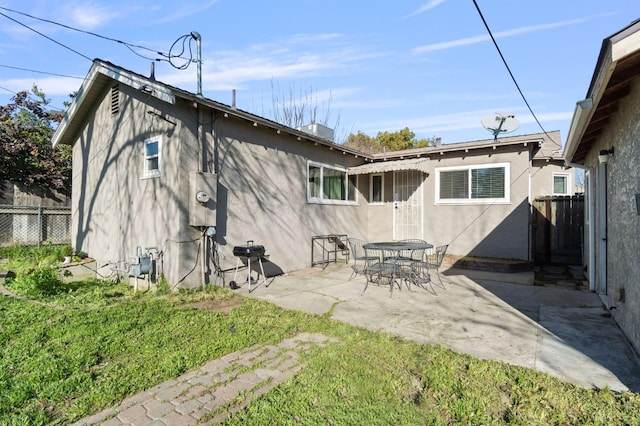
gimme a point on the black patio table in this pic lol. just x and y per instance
(398, 246)
(392, 260)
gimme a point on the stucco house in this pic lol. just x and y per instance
(158, 169)
(604, 139)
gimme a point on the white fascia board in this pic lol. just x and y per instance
(625, 44)
(153, 89)
(75, 105)
(581, 116)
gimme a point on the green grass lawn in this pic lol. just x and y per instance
(76, 348)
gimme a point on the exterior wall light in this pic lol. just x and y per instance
(603, 156)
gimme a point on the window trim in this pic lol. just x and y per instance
(153, 173)
(567, 177)
(371, 176)
(321, 199)
(507, 184)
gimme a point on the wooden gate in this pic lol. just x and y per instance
(558, 223)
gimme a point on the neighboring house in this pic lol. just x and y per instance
(156, 166)
(604, 139)
(551, 177)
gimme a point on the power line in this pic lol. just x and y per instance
(41, 72)
(169, 56)
(508, 69)
(8, 90)
(129, 46)
(82, 31)
(47, 37)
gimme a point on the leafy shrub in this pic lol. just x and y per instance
(20, 256)
(38, 282)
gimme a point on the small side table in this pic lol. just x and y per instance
(326, 249)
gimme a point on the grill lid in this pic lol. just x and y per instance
(248, 251)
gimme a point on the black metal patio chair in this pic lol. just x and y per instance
(359, 257)
(381, 268)
(434, 259)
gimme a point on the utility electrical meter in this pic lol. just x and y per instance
(202, 197)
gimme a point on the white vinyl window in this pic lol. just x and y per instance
(152, 157)
(479, 184)
(331, 185)
(377, 189)
(561, 184)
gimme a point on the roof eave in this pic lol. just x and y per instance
(617, 47)
(534, 140)
(65, 133)
(581, 116)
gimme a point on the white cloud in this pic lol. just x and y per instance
(508, 33)
(183, 10)
(277, 60)
(51, 86)
(428, 6)
(89, 15)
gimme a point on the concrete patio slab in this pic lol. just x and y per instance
(499, 316)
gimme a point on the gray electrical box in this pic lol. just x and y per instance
(202, 198)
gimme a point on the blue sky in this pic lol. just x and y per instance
(429, 65)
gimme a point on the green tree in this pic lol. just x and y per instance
(361, 142)
(27, 158)
(387, 141)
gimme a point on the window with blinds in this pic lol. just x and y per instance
(473, 183)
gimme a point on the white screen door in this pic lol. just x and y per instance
(407, 204)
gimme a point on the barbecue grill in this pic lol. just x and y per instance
(251, 253)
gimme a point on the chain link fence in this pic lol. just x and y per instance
(34, 225)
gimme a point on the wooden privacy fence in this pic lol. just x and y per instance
(558, 223)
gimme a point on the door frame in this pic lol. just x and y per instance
(419, 190)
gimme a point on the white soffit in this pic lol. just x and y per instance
(419, 164)
(626, 45)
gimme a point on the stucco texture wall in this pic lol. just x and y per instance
(115, 209)
(542, 178)
(499, 230)
(262, 194)
(623, 220)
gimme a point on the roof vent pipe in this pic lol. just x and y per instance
(152, 77)
(233, 98)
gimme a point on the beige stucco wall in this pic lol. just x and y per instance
(479, 229)
(261, 191)
(115, 209)
(483, 230)
(623, 221)
(263, 194)
(542, 178)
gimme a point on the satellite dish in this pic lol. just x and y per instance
(500, 122)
